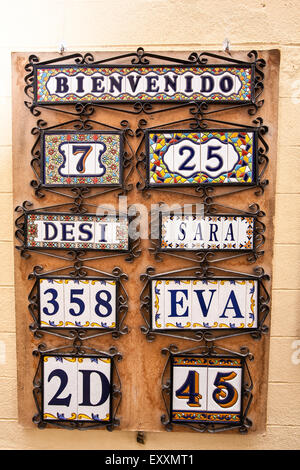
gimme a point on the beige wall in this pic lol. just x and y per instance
(166, 25)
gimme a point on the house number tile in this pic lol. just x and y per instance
(76, 388)
(206, 389)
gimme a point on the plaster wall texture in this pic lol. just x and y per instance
(170, 25)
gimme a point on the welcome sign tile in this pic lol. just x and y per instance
(73, 83)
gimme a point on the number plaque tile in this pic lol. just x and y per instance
(75, 390)
(207, 391)
(204, 306)
(194, 158)
(81, 158)
(96, 305)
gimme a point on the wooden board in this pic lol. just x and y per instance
(142, 363)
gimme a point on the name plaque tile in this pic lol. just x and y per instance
(65, 302)
(206, 233)
(76, 232)
(194, 304)
(89, 158)
(154, 83)
(215, 156)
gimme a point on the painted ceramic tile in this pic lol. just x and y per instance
(224, 389)
(51, 298)
(252, 295)
(103, 299)
(246, 233)
(205, 304)
(81, 158)
(210, 157)
(195, 304)
(178, 311)
(76, 388)
(158, 304)
(69, 231)
(206, 389)
(78, 303)
(94, 389)
(230, 234)
(60, 388)
(195, 232)
(69, 83)
(232, 303)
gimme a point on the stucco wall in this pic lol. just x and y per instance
(166, 25)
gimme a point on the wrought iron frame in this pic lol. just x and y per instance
(210, 334)
(74, 253)
(207, 351)
(200, 124)
(78, 271)
(140, 58)
(203, 255)
(85, 191)
(77, 350)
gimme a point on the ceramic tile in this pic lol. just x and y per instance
(94, 389)
(187, 157)
(178, 311)
(205, 302)
(77, 303)
(246, 225)
(214, 160)
(170, 83)
(224, 389)
(135, 84)
(206, 390)
(230, 237)
(158, 304)
(116, 84)
(189, 82)
(85, 158)
(51, 306)
(60, 375)
(215, 232)
(242, 170)
(252, 303)
(199, 233)
(189, 388)
(232, 304)
(55, 87)
(103, 312)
